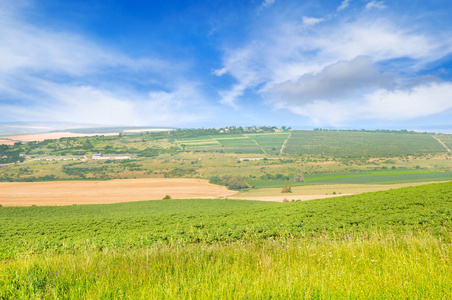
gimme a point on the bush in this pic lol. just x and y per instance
(167, 197)
(232, 182)
(287, 188)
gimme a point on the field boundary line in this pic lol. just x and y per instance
(442, 143)
(265, 152)
(284, 144)
(222, 146)
(178, 144)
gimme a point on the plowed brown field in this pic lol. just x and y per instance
(102, 192)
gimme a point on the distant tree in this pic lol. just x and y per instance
(287, 188)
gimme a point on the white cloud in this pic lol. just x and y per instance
(336, 82)
(53, 75)
(220, 72)
(88, 104)
(343, 5)
(309, 21)
(380, 104)
(375, 4)
(405, 104)
(287, 52)
(25, 47)
(267, 3)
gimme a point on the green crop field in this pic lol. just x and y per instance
(392, 244)
(271, 142)
(361, 143)
(363, 177)
(446, 139)
(230, 143)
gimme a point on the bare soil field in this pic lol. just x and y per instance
(312, 192)
(103, 192)
(38, 137)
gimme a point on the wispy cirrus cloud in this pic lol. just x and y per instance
(375, 4)
(54, 75)
(343, 5)
(267, 3)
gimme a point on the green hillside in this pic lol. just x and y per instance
(361, 143)
(212, 221)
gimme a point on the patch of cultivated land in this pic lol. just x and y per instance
(102, 192)
(50, 136)
(318, 191)
(6, 142)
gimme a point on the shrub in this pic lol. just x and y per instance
(287, 188)
(167, 197)
(232, 182)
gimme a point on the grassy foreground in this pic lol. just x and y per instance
(392, 244)
(378, 266)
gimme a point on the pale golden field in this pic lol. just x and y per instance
(6, 142)
(38, 137)
(103, 192)
(129, 190)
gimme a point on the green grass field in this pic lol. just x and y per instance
(363, 177)
(392, 244)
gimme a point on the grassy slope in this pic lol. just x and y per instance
(393, 244)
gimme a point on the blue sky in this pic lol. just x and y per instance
(338, 64)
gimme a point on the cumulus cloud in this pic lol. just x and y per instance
(364, 102)
(319, 73)
(343, 5)
(309, 21)
(336, 82)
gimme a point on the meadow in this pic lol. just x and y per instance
(391, 244)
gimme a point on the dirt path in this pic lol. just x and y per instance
(442, 144)
(284, 144)
(102, 192)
